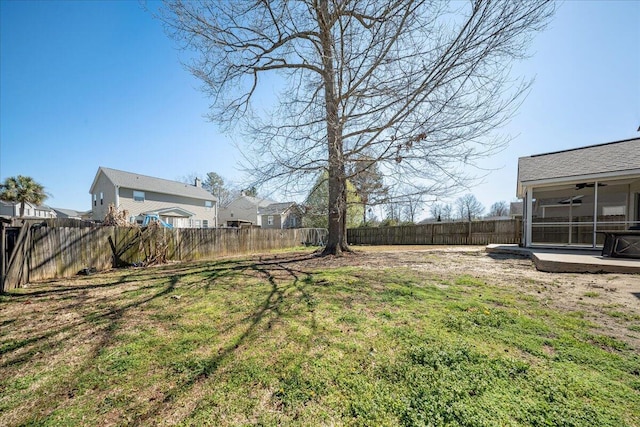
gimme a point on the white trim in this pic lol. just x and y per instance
(548, 182)
(529, 207)
(595, 211)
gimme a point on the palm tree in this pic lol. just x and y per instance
(22, 189)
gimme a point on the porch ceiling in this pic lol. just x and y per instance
(619, 178)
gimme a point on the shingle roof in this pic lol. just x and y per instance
(39, 207)
(616, 156)
(261, 203)
(157, 185)
(276, 208)
(67, 212)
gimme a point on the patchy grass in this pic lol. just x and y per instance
(287, 340)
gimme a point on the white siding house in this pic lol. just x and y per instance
(10, 209)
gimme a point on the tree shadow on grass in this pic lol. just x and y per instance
(271, 307)
(98, 325)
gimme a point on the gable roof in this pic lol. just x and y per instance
(149, 183)
(66, 212)
(27, 204)
(276, 208)
(611, 159)
(253, 201)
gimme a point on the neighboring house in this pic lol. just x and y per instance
(248, 210)
(280, 215)
(515, 210)
(68, 213)
(10, 209)
(179, 204)
(570, 195)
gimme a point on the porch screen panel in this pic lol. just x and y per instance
(613, 212)
(563, 216)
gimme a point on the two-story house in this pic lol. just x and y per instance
(11, 209)
(179, 204)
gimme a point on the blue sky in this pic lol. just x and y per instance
(89, 84)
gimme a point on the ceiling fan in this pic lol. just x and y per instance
(589, 185)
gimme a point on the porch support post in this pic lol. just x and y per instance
(595, 212)
(528, 209)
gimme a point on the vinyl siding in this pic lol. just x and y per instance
(104, 185)
(156, 201)
(153, 202)
(240, 209)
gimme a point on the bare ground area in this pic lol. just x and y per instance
(605, 299)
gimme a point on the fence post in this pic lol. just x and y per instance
(3, 253)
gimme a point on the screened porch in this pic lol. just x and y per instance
(572, 214)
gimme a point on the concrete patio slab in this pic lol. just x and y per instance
(570, 260)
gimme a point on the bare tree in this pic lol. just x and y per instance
(441, 211)
(417, 86)
(468, 207)
(219, 187)
(215, 184)
(499, 209)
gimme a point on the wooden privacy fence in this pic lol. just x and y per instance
(440, 233)
(44, 251)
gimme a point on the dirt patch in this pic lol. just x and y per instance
(607, 300)
(611, 301)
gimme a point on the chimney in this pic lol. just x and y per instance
(198, 183)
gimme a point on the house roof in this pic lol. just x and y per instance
(276, 208)
(67, 212)
(149, 183)
(261, 203)
(31, 205)
(253, 201)
(617, 158)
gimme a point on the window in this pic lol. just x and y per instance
(205, 223)
(95, 200)
(270, 220)
(101, 198)
(138, 196)
(293, 221)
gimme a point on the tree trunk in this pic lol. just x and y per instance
(337, 239)
(364, 214)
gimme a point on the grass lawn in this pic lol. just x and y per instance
(288, 339)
